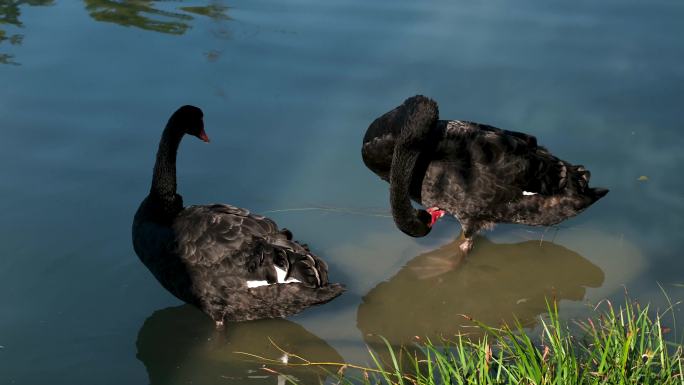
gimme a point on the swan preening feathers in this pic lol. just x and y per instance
(231, 264)
(480, 174)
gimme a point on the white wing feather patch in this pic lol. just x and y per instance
(529, 193)
(280, 273)
(281, 276)
(256, 283)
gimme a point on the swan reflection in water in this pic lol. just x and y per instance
(180, 345)
(494, 284)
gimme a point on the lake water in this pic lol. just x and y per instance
(288, 89)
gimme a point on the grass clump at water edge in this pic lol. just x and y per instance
(615, 346)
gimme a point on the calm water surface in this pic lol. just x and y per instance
(288, 89)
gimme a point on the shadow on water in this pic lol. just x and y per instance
(146, 15)
(180, 345)
(494, 284)
(10, 11)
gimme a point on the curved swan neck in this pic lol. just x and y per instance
(406, 217)
(416, 118)
(164, 176)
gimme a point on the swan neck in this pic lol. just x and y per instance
(406, 217)
(164, 177)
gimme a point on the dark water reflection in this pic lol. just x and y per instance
(10, 13)
(150, 16)
(180, 345)
(156, 16)
(430, 294)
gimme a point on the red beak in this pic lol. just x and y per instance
(203, 136)
(435, 213)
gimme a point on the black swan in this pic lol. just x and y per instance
(480, 174)
(231, 264)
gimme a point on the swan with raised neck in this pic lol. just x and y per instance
(211, 256)
(186, 120)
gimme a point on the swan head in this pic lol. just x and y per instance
(190, 120)
(420, 222)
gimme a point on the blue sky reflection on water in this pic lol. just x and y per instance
(288, 90)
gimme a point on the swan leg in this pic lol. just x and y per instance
(469, 231)
(213, 307)
(466, 245)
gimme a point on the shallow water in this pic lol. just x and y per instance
(288, 90)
